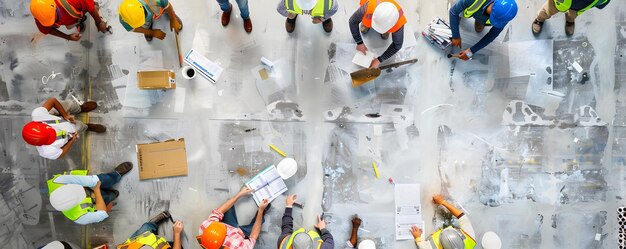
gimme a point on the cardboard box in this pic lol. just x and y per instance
(163, 79)
(162, 159)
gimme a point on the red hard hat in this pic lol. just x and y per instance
(213, 236)
(38, 133)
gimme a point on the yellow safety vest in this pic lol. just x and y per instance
(320, 9)
(475, 7)
(77, 14)
(145, 239)
(313, 234)
(564, 5)
(469, 242)
(84, 207)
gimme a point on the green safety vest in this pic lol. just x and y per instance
(84, 207)
(145, 239)
(475, 7)
(467, 240)
(313, 234)
(564, 5)
(320, 9)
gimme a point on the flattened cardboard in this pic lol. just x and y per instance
(163, 79)
(162, 159)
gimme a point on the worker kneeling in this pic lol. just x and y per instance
(147, 235)
(52, 14)
(319, 10)
(302, 239)
(83, 198)
(385, 17)
(139, 16)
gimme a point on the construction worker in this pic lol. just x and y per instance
(139, 16)
(496, 13)
(320, 11)
(147, 235)
(54, 135)
(83, 198)
(59, 245)
(227, 8)
(449, 237)
(302, 239)
(572, 9)
(51, 14)
(222, 229)
(385, 17)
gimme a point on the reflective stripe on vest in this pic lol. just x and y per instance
(469, 242)
(369, 14)
(475, 7)
(312, 234)
(565, 5)
(60, 134)
(145, 239)
(154, 6)
(71, 10)
(84, 207)
(319, 10)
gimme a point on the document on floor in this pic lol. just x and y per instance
(204, 66)
(267, 185)
(408, 210)
(364, 60)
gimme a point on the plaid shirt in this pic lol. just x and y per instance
(235, 239)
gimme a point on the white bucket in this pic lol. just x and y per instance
(188, 72)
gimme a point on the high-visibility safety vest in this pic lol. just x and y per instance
(475, 7)
(288, 241)
(469, 242)
(319, 10)
(70, 9)
(152, 5)
(564, 5)
(369, 13)
(84, 207)
(145, 239)
(60, 134)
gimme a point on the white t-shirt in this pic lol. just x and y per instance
(52, 151)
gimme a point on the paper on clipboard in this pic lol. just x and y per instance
(408, 210)
(364, 60)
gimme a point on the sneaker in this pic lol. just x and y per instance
(124, 168)
(569, 28)
(385, 36)
(247, 25)
(226, 15)
(290, 24)
(97, 128)
(479, 26)
(328, 25)
(88, 106)
(160, 217)
(537, 26)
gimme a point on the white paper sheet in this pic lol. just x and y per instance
(204, 66)
(267, 185)
(408, 210)
(363, 60)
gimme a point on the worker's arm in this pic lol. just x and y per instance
(67, 146)
(327, 238)
(100, 205)
(97, 18)
(54, 103)
(455, 16)
(231, 202)
(354, 22)
(178, 229)
(258, 223)
(488, 38)
(395, 46)
(438, 199)
(175, 25)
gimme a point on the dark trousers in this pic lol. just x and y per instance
(230, 218)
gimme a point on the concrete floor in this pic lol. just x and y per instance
(511, 136)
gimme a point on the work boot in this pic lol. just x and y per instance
(160, 217)
(385, 36)
(537, 26)
(328, 25)
(123, 168)
(226, 15)
(88, 106)
(290, 24)
(479, 26)
(247, 25)
(569, 28)
(364, 29)
(97, 128)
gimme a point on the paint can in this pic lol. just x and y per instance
(188, 72)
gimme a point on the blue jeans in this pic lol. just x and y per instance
(106, 185)
(243, 7)
(230, 218)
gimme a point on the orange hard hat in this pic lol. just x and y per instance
(38, 133)
(213, 236)
(44, 11)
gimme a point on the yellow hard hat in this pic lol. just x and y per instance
(44, 11)
(132, 12)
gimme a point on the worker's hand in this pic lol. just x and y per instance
(375, 63)
(416, 232)
(263, 205)
(290, 200)
(456, 42)
(317, 20)
(245, 191)
(356, 221)
(361, 48)
(97, 187)
(75, 135)
(75, 36)
(438, 199)
(465, 54)
(321, 224)
(157, 33)
(70, 118)
(178, 227)
(175, 25)
(102, 26)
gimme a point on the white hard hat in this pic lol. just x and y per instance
(287, 168)
(306, 4)
(491, 241)
(54, 245)
(385, 16)
(367, 244)
(67, 196)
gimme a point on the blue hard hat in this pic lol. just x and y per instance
(502, 12)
